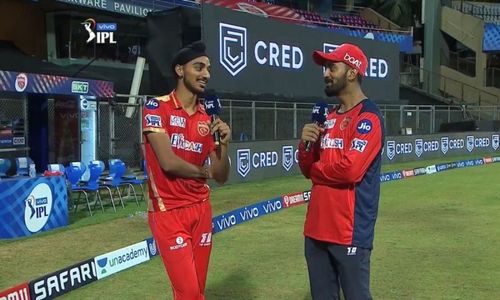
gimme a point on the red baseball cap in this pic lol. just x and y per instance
(349, 54)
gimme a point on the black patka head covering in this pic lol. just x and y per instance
(188, 53)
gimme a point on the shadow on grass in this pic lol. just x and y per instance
(235, 286)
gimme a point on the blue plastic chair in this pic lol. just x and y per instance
(116, 171)
(4, 166)
(98, 183)
(73, 174)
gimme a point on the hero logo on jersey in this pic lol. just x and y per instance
(359, 145)
(287, 157)
(232, 47)
(243, 161)
(419, 147)
(364, 126)
(177, 121)
(153, 121)
(152, 104)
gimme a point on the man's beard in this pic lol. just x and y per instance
(335, 88)
(192, 88)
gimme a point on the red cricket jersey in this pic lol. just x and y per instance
(190, 139)
(344, 167)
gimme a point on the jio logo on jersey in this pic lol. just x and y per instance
(364, 126)
(152, 104)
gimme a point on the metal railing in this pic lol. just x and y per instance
(492, 77)
(449, 90)
(463, 65)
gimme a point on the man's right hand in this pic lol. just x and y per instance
(311, 132)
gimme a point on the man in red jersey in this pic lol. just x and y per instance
(344, 167)
(178, 141)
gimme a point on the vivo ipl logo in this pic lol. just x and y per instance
(391, 149)
(243, 161)
(232, 47)
(470, 143)
(38, 206)
(287, 157)
(495, 141)
(444, 144)
(104, 31)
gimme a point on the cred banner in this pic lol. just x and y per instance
(257, 55)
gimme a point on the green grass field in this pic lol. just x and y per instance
(436, 238)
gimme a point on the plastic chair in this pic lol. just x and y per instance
(4, 166)
(116, 171)
(73, 174)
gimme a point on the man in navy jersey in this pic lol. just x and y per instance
(344, 167)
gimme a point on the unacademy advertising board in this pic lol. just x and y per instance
(256, 55)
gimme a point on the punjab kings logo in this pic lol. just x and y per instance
(21, 82)
(345, 123)
(232, 47)
(203, 128)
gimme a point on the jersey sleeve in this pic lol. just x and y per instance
(154, 116)
(364, 146)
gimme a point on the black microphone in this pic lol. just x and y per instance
(319, 114)
(213, 108)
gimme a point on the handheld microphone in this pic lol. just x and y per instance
(319, 114)
(213, 108)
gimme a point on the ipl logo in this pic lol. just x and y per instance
(391, 149)
(287, 154)
(104, 31)
(232, 47)
(243, 163)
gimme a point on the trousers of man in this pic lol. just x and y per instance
(184, 239)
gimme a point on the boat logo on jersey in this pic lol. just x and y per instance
(329, 124)
(203, 128)
(177, 121)
(345, 123)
